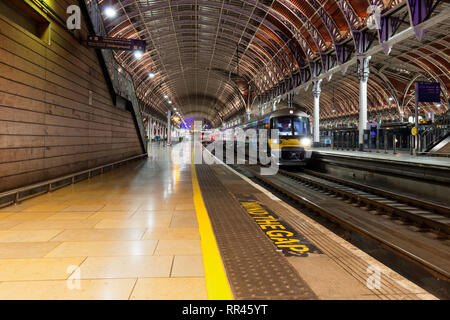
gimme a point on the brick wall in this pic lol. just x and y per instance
(47, 126)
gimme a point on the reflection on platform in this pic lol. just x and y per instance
(131, 233)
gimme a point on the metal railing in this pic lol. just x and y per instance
(20, 194)
(383, 141)
(435, 133)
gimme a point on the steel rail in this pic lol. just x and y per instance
(434, 269)
(429, 219)
(431, 267)
(443, 210)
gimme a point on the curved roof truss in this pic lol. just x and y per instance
(213, 56)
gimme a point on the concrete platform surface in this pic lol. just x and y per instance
(399, 157)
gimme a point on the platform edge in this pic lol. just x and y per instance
(217, 285)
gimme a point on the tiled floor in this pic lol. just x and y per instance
(129, 234)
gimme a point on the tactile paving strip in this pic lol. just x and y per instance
(254, 268)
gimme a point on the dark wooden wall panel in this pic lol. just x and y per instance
(47, 127)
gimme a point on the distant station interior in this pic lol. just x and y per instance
(224, 150)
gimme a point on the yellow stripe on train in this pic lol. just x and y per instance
(287, 143)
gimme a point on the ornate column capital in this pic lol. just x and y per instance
(316, 90)
(364, 67)
(290, 100)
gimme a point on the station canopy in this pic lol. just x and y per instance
(208, 56)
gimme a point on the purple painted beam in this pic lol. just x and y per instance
(363, 40)
(420, 10)
(344, 52)
(389, 26)
(327, 20)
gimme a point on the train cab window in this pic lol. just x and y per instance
(301, 126)
(284, 125)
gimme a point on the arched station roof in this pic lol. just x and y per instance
(209, 55)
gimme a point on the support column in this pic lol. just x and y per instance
(249, 99)
(169, 131)
(152, 132)
(290, 100)
(363, 76)
(149, 128)
(316, 93)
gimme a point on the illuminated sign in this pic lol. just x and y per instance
(116, 43)
(428, 92)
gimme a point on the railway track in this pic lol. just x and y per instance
(425, 217)
(414, 229)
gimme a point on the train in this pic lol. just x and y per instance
(294, 140)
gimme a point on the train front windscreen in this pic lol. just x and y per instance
(291, 126)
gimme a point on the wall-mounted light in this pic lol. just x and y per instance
(166, 96)
(170, 101)
(110, 12)
(151, 75)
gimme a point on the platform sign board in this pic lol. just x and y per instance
(374, 127)
(116, 43)
(428, 92)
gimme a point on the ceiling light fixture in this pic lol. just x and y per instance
(151, 75)
(138, 54)
(110, 12)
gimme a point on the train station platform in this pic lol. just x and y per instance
(399, 157)
(131, 233)
(164, 228)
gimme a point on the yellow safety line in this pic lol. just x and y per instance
(217, 286)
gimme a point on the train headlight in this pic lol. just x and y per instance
(275, 141)
(305, 142)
